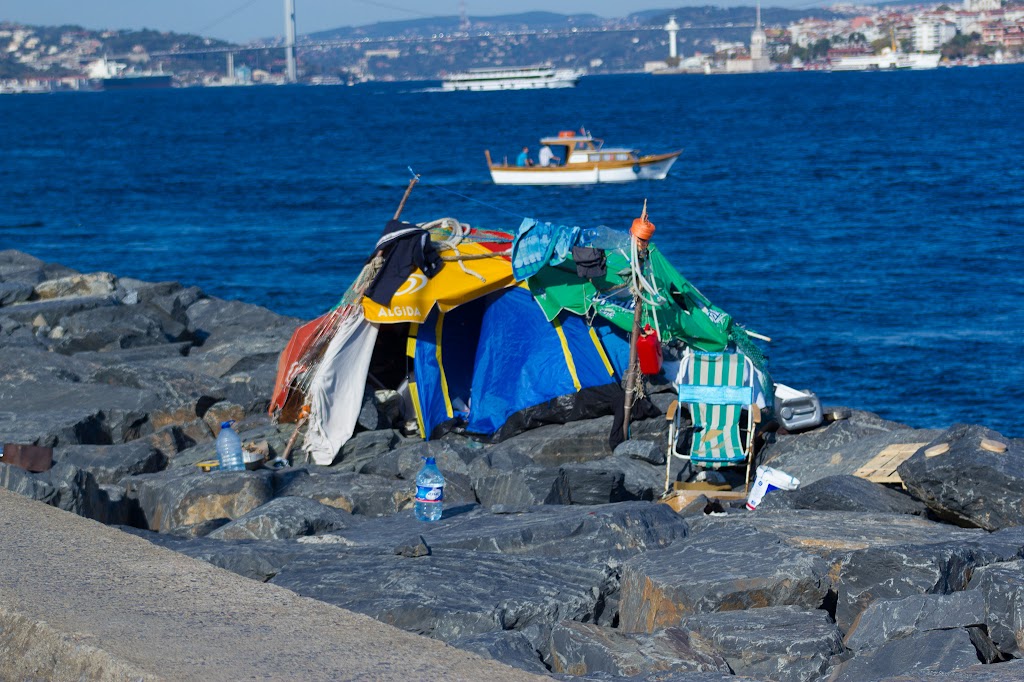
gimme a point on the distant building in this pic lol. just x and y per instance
(981, 5)
(931, 34)
(243, 75)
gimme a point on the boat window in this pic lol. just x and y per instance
(594, 157)
(622, 157)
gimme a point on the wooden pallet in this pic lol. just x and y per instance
(680, 499)
(882, 467)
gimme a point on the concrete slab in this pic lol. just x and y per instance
(80, 600)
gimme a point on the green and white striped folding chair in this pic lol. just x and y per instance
(716, 388)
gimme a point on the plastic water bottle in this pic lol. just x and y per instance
(429, 491)
(229, 449)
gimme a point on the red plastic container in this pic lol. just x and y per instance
(648, 350)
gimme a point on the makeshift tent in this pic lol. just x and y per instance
(512, 332)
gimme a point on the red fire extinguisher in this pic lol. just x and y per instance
(648, 349)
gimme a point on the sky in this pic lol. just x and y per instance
(243, 20)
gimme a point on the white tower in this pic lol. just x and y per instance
(758, 42)
(289, 39)
(672, 27)
(757, 37)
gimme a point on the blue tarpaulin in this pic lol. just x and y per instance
(500, 355)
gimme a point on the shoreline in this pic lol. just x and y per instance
(553, 555)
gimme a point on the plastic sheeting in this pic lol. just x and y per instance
(336, 391)
(501, 356)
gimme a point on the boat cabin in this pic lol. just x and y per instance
(584, 148)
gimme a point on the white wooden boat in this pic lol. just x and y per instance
(581, 159)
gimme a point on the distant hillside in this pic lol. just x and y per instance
(526, 21)
(413, 49)
(549, 21)
(709, 15)
(64, 50)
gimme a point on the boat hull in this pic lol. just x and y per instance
(153, 82)
(646, 168)
(508, 85)
(915, 61)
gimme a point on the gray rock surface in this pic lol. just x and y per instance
(967, 483)
(1002, 587)
(782, 643)
(430, 595)
(843, 493)
(734, 569)
(885, 620)
(841, 447)
(584, 649)
(283, 518)
(935, 650)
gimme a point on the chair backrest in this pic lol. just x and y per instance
(716, 387)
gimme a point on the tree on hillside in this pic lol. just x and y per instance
(965, 45)
(820, 48)
(878, 45)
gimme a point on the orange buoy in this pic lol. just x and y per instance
(642, 228)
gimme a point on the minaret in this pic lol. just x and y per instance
(672, 27)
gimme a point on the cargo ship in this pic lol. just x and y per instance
(107, 75)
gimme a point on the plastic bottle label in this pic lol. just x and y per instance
(429, 493)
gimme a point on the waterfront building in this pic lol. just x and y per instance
(931, 33)
(981, 5)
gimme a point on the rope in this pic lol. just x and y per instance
(476, 201)
(476, 256)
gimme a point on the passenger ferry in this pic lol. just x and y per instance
(512, 78)
(581, 159)
(886, 61)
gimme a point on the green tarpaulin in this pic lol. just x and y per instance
(683, 313)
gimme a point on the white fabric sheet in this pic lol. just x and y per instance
(336, 392)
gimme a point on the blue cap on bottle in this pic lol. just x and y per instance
(227, 424)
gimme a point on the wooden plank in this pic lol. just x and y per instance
(882, 467)
(680, 499)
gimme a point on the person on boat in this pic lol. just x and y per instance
(546, 157)
(524, 158)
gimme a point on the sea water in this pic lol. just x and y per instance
(869, 223)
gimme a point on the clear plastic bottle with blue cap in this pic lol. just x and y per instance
(429, 491)
(229, 449)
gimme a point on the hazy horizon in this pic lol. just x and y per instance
(245, 20)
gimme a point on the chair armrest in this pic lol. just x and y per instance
(670, 413)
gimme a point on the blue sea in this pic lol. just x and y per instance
(871, 224)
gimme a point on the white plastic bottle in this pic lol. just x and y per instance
(429, 491)
(229, 449)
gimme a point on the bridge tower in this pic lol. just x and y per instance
(289, 40)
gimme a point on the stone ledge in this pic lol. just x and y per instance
(81, 600)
